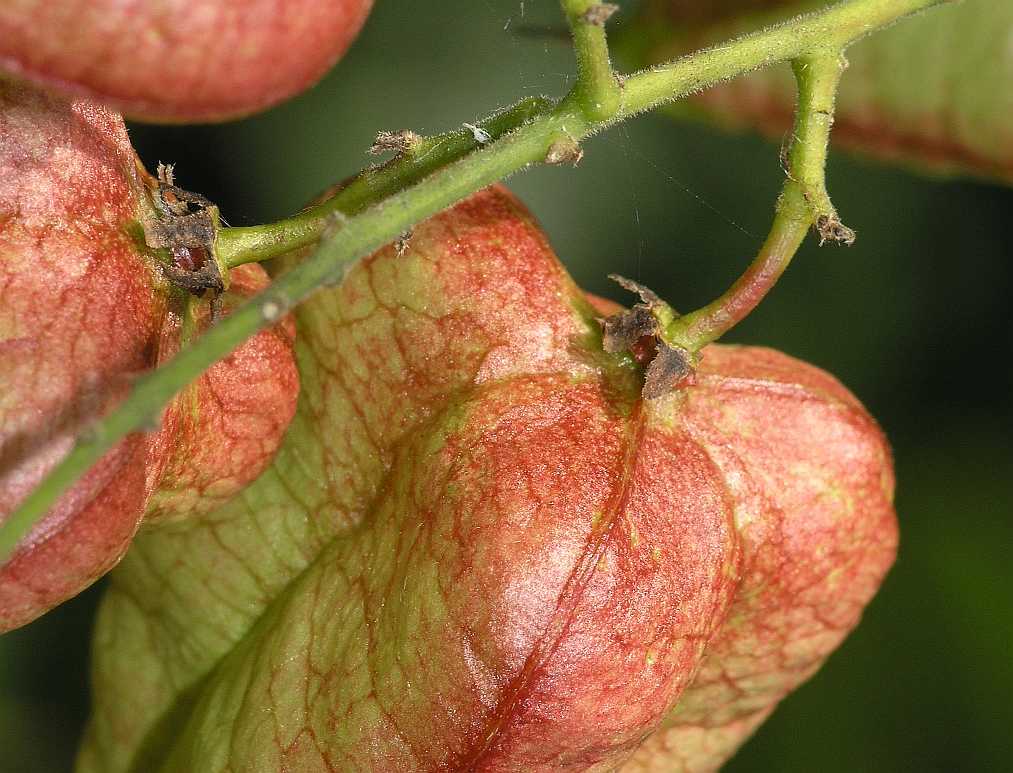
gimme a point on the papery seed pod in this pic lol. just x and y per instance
(84, 309)
(177, 60)
(481, 548)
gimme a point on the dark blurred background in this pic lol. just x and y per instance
(915, 318)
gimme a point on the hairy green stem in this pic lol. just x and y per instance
(597, 90)
(697, 329)
(427, 154)
(411, 190)
(828, 31)
(842, 24)
(817, 78)
(804, 202)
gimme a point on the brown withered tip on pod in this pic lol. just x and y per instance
(667, 371)
(667, 366)
(623, 329)
(831, 229)
(186, 224)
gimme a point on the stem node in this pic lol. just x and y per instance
(597, 90)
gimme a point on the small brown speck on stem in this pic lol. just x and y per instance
(565, 150)
(599, 13)
(831, 229)
(403, 242)
(398, 143)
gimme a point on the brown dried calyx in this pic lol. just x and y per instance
(186, 224)
(831, 229)
(668, 366)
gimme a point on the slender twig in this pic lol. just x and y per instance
(828, 31)
(817, 78)
(424, 156)
(414, 196)
(840, 24)
(597, 90)
(804, 202)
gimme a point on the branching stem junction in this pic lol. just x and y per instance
(429, 174)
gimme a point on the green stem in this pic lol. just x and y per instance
(703, 326)
(418, 191)
(256, 243)
(817, 78)
(828, 31)
(803, 202)
(597, 90)
(843, 23)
